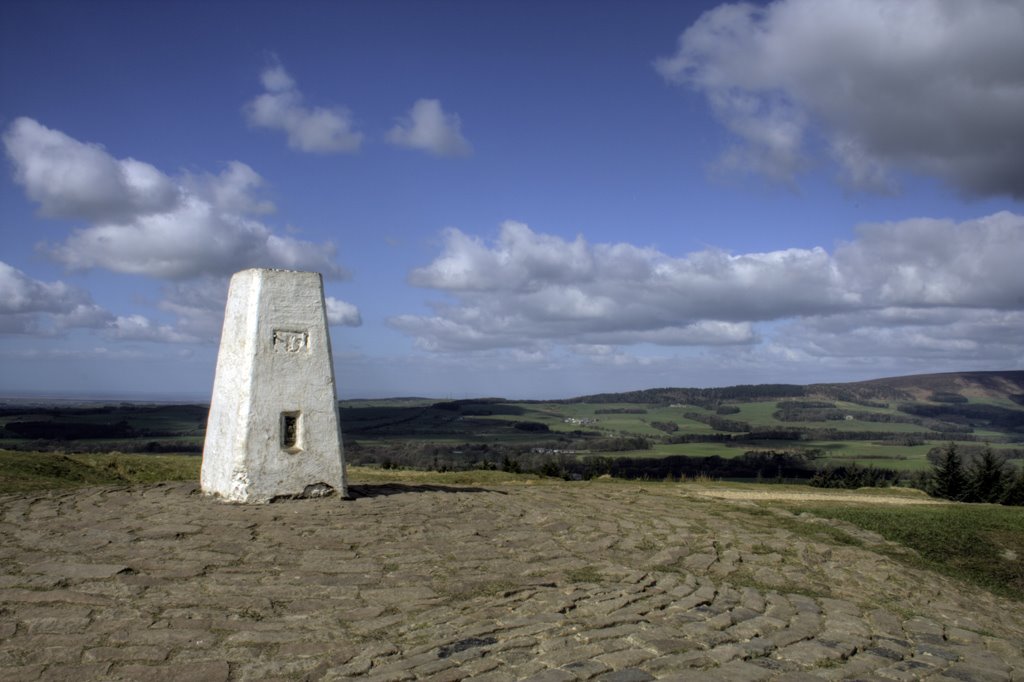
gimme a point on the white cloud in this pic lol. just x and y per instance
(202, 225)
(84, 316)
(937, 334)
(925, 262)
(72, 179)
(19, 293)
(141, 328)
(876, 293)
(31, 306)
(317, 130)
(91, 354)
(198, 306)
(193, 230)
(428, 128)
(702, 332)
(930, 86)
(341, 313)
(232, 190)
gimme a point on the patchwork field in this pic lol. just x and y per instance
(886, 424)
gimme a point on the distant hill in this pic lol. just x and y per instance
(1007, 385)
(941, 388)
(696, 396)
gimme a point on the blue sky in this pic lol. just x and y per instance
(519, 199)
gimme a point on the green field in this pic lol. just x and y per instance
(393, 423)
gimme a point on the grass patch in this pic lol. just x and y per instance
(27, 471)
(981, 544)
(819, 532)
(743, 578)
(584, 574)
(360, 474)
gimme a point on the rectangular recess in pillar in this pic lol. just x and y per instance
(287, 341)
(291, 432)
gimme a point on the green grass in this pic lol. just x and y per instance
(358, 475)
(585, 574)
(978, 543)
(863, 453)
(388, 403)
(26, 471)
(668, 449)
(554, 415)
(838, 453)
(756, 414)
(182, 419)
(879, 455)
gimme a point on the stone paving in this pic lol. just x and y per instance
(573, 581)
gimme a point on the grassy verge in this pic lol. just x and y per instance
(25, 471)
(979, 543)
(358, 475)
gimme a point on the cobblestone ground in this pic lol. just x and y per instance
(539, 582)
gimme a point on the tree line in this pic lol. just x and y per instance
(985, 478)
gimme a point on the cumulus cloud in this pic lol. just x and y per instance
(141, 328)
(193, 230)
(929, 86)
(198, 306)
(84, 316)
(942, 335)
(428, 128)
(170, 228)
(19, 293)
(31, 306)
(952, 287)
(926, 262)
(342, 313)
(72, 179)
(318, 130)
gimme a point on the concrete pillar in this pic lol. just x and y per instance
(273, 429)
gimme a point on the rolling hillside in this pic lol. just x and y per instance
(1001, 386)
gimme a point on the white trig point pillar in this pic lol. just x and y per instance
(273, 429)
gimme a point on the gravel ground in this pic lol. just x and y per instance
(504, 582)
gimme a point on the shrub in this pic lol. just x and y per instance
(729, 425)
(853, 476)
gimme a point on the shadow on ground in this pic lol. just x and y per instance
(384, 489)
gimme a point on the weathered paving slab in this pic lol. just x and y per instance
(539, 582)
